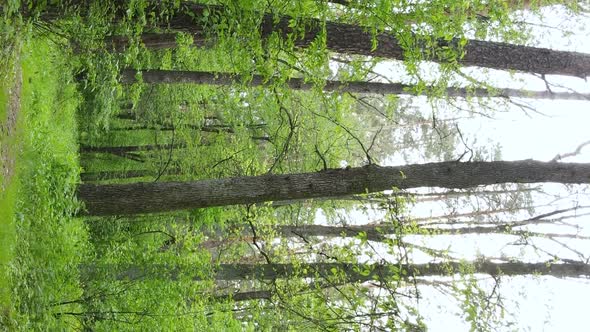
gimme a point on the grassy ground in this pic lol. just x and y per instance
(10, 83)
(41, 243)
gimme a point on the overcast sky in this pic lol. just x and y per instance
(540, 304)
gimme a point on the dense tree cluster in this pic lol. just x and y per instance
(237, 165)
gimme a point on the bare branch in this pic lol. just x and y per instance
(576, 152)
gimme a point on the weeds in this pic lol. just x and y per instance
(50, 242)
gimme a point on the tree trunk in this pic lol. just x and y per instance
(139, 173)
(380, 232)
(135, 198)
(218, 78)
(126, 115)
(119, 150)
(416, 197)
(510, 5)
(153, 41)
(246, 296)
(352, 39)
(208, 129)
(107, 175)
(353, 272)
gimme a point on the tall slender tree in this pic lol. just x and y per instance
(346, 272)
(219, 78)
(352, 39)
(168, 196)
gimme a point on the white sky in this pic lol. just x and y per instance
(540, 304)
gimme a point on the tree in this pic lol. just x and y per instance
(119, 150)
(359, 41)
(219, 78)
(97, 176)
(344, 272)
(380, 232)
(416, 197)
(208, 129)
(131, 282)
(158, 197)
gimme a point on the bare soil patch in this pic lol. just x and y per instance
(8, 148)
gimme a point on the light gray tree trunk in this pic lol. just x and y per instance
(219, 78)
(350, 272)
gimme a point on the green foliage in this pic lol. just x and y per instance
(10, 26)
(483, 307)
(8, 197)
(191, 132)
(50, 243)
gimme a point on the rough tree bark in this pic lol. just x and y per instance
(136, 198)
(129, 174)
(208, 129)
(219, 78)
(246, 296)
(118, 150)
(352, 39)
(416, 197)
(383, 232)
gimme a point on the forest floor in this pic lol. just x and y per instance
(8, 125)
(10, 94)
(41, 241)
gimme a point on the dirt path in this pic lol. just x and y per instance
(8, 151)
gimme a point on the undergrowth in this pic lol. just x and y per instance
(50, 242)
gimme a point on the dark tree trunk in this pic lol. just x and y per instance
(353, 272)
(373, 232)
(246, 296)
(97, 176)
(118, 150)
(352, 39)
(417, 197)
(108, 175)
(126, 115)
(153, 41)
(168, 196)
(144, 127)
(208, 129)
(131, 152)
(217, 78)
(383, 232)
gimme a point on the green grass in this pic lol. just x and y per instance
(7, 236)
(4, 83)
(7, 241)
(9, 193)
(48, 243)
